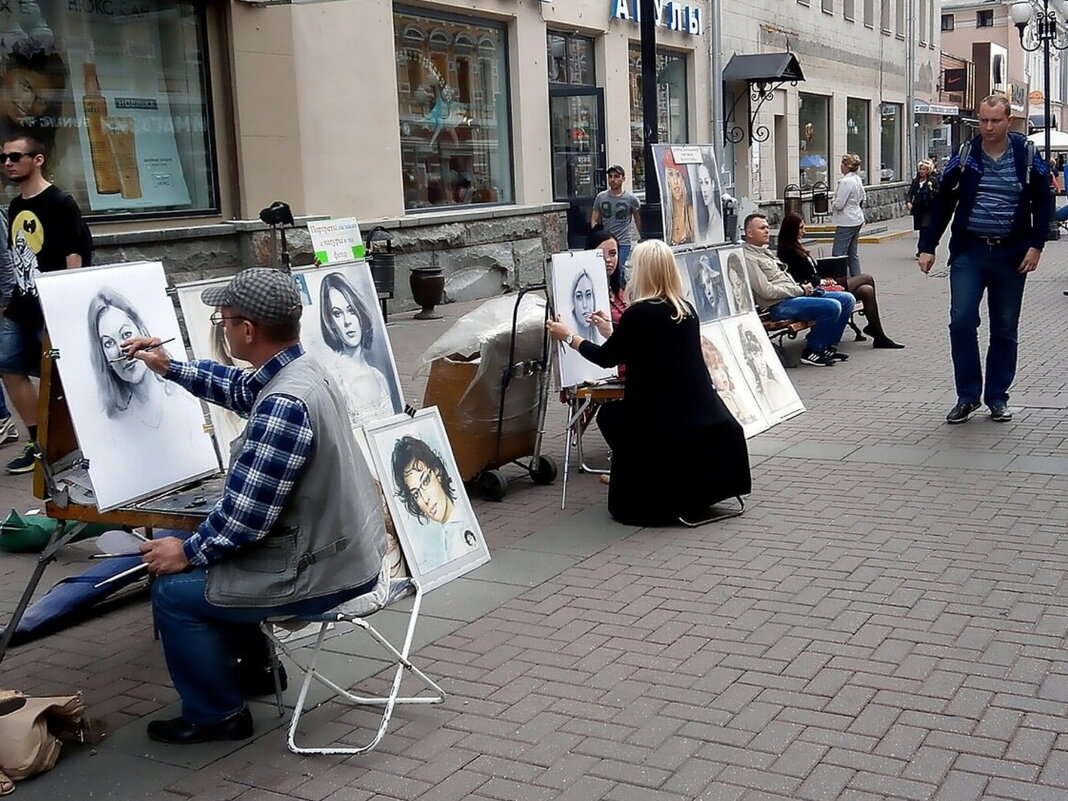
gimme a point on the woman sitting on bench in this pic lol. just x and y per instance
(800, 264)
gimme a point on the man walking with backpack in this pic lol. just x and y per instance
(997, 193)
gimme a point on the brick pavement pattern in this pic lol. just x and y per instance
(886, 621)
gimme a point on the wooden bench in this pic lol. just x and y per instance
(778, 330)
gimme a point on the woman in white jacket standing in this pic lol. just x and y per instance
(848, 207)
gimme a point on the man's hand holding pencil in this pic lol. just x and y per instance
(150, 351)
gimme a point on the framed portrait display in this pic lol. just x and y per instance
(691, 194)
(761, 368)
(439, 535)
(341, 326)
(141, 434)
(736, 279)
(702, 275)
(579, 288)
(727, 377)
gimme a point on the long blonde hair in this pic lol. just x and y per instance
(655, 276)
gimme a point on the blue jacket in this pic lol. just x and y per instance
(1030, 221)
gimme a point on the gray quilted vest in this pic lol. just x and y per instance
(330, 536)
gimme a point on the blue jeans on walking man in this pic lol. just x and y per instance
(980, 268)
(830, 312)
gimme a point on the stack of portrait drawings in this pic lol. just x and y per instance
(743, 364)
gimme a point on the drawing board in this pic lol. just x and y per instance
(727, 377)
(140, 434)
(691, 194)
(579, 287)
(439, 534)
(761, 368)
(702, 276)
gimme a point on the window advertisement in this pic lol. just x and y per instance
(115, 92)
(672, 113)
(890, 142)
(814, 140)
(858, 139)
(452, 84)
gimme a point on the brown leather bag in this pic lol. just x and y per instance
(31, 737)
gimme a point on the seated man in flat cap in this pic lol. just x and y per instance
(299, 528)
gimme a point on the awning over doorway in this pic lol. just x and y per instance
(763, 68)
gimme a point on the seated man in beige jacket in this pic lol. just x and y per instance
(785, 299)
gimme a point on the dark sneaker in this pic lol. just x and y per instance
(824, 359)
(24, 462)
(1000, 412)
(832, 351)
(8, 432)
(962, 411)
(818, 359)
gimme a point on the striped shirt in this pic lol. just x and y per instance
(278, 442)
(997, 197)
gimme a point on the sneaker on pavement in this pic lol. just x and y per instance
(1000, 412)
(8, 432)
(832, 351)
(818, 359)
(962, 411)
(23, 463)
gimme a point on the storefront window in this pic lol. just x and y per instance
(570, 59)
(452, 82)
(814, 121)
(672, 93)
(857, 136)
(117, 96)
(890, 142)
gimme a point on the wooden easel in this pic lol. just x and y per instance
(182, 509)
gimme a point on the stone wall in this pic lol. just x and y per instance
(483, 253)
(883, 202)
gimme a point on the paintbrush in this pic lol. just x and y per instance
(150, 347)
(117, 576)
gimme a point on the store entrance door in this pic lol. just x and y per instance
(577, 114)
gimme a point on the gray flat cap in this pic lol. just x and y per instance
(266, 295)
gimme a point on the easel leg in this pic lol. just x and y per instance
(63, 534)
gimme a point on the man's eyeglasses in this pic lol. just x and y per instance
(217, 317)
(15, 156)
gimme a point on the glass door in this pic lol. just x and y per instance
(577, 115)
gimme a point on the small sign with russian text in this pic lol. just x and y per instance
(336, 240)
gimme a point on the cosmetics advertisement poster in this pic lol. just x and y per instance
(127, 130)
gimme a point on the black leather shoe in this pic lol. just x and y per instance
(886, 342)
(259, 680)
(179, 731)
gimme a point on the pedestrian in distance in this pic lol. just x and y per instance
(997, 193)
(615, 208)
(847, 206)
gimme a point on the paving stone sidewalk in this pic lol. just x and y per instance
(885, 621)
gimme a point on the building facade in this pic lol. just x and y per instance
(476, 131)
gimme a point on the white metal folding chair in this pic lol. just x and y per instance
(354, 612)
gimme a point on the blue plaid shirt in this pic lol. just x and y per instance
(278, 442)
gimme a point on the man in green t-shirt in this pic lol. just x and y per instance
(614, 209)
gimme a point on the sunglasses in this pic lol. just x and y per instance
(15, 156)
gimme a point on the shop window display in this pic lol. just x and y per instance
(857, 138)
(814, 121)
(672, 98)
(452, 89)
(890, 143)
(117, 95)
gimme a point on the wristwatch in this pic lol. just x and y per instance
(570, 339)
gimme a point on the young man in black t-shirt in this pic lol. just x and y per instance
(45, 227)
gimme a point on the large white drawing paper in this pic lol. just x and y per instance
(727, 377)
(140, 433)
(439, 535)
(580, 287)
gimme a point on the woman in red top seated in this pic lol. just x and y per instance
(608, 414)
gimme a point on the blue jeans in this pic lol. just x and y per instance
(846, 240)
(200, 640)
(993, 269)
(1061, 214)
(624, 254)
(830, 313)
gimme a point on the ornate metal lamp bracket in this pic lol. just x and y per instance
(760, 92)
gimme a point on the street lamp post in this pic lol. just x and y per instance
(652, 222)
(1040, 26)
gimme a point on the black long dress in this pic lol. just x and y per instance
(680, 450)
